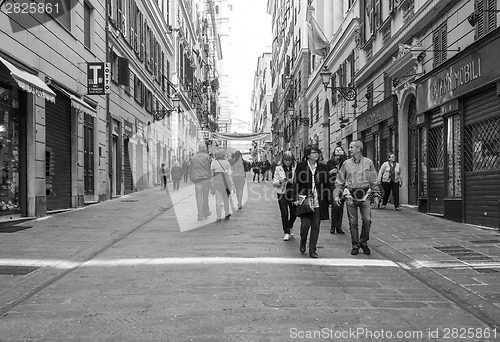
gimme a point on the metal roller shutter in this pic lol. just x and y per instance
(58, 152)
(436, 164)
(482, 158)
(140, 168)
(127, 168)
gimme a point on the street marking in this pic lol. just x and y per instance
(337, 262)
(458, 264)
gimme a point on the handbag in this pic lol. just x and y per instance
(304, 208)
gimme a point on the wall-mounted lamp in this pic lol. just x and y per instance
(348, 93)
(160, 114)
(473, 18)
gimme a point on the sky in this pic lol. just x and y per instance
(251, 36)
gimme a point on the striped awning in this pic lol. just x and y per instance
(29, 82)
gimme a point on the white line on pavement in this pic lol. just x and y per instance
(200, 261)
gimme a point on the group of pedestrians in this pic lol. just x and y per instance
(177, 173)
(263, 170)
(218, 177)
(307, 189)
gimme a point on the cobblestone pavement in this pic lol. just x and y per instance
(141, 268)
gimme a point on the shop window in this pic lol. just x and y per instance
(436, 148)
(453, 153)
(423, 163)
(482, 146)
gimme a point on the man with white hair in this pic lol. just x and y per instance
(201, 175)
(355, 181)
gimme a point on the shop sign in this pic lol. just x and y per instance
(470, 72)
(380, 112)
(98, 78)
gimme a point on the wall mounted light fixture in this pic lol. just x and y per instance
(348, 93)
(159, 114)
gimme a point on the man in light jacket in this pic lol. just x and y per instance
(201, 175)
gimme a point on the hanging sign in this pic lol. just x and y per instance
(98, 78)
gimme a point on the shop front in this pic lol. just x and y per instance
(377, 129)
(459, 142)
(18, 89)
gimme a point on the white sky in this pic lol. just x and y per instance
(251, 36)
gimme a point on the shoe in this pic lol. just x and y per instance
(292, 234)
(218, 219)
(200, 218)
(355, 251)
(340, 231)
(286, 237)
(398, 208)
(313, 255)
(332, 230)
(302, 249)
(366, 249)
(382, 207)
(208, 214)
(227, 217)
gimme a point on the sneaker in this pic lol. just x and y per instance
(200, 218)
(398, 208)
(366, 249)
(355, 251)
(382, 207)
(291, 232)
(286, 237)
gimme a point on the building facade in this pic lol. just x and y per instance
(53, 131)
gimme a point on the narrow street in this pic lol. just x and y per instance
(141, 268)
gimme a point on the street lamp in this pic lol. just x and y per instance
(348, 93)
(159, 114)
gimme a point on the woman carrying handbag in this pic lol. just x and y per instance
(221, 183)
(312, 189)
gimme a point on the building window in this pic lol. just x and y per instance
(440, 44)
(369, 92)
(317, 108)
(486, 12)
(87, 27)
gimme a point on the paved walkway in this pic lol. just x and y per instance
(104, 259)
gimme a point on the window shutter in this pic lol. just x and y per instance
(123, 71)
(480, 30)
(437, 54)
(444, 42)
(492, 15)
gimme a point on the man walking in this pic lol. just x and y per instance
(201, 175)
(356, 179)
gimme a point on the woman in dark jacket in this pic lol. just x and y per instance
(311, 179)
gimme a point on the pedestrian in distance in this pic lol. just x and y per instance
(221, 187)
(176, 173)
(283, 181)
(201, 175)
(273, 168)
(390, 178)
(266, 170)
(185, 170)
(312, 185)
(256, 168)
(356, 179)
(333, 165)
(239, 176)
(165, 175)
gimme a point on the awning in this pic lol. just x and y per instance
(239, 136)
(29, 82)
(77, 102)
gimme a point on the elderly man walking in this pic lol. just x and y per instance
(201, 175)
(355, 181)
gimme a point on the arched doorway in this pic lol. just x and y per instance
(412, 153)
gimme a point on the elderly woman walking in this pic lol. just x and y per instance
(283, 181)
(390, 178)
(221, 183)
(313, 187)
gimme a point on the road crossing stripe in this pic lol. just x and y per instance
(337, 262)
